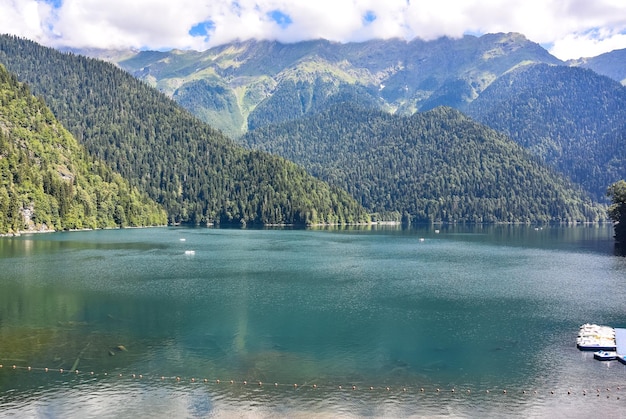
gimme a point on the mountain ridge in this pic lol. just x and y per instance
(401, 75)
(611, 64)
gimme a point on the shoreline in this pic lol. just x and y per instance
(317, 225)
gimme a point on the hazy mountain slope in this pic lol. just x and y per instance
(573, 118)
(433, 166)
(395, 75)
(428, 67)
(611, 64)
(47, 180)
(195, 172)
(292, 100)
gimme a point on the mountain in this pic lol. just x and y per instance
(194, 171)
(47, 181)
(433, 166)
(611, 64)
(572, 118)
(245, 85)
(569, 118)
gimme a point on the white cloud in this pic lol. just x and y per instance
(587, 45)
(25, 18)
(571, 27)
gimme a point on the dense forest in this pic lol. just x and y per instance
(47, 180)
(571, 117)
(433, 166)
(196, 173)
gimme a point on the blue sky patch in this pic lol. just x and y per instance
(54, 3)
(283, 20)
(202, 28)
(369, 17)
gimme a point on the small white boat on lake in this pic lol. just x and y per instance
(605, 355)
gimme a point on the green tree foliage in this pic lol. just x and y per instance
(617, 210)
(433, 166)
(572, 118)
(46, 179)
(194, 171)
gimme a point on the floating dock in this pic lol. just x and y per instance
(593, 337)
(605, 340)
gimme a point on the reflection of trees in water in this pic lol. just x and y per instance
(620, 249)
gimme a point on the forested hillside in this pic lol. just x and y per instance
(572, 118)
(47, 180)
(194, 171)
(433, 166)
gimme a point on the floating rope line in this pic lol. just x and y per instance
(598, 392)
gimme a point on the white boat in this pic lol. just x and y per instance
(605, 355)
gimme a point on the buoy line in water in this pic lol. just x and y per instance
(597, 392)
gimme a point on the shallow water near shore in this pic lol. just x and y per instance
(358, 322)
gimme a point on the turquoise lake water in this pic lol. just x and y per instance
(384, 322)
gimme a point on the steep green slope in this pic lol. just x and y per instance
(292, 100)
(391, 74)
(215, 104)
(572, 118)
(433, 166)
(47, 182)
(195, 172)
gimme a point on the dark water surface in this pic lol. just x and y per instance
(486, 315)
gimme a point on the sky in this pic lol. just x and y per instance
(568, 29)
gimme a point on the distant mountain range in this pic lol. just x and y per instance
(232, 86)
(571, 118)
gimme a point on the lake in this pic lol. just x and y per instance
(474, 321)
